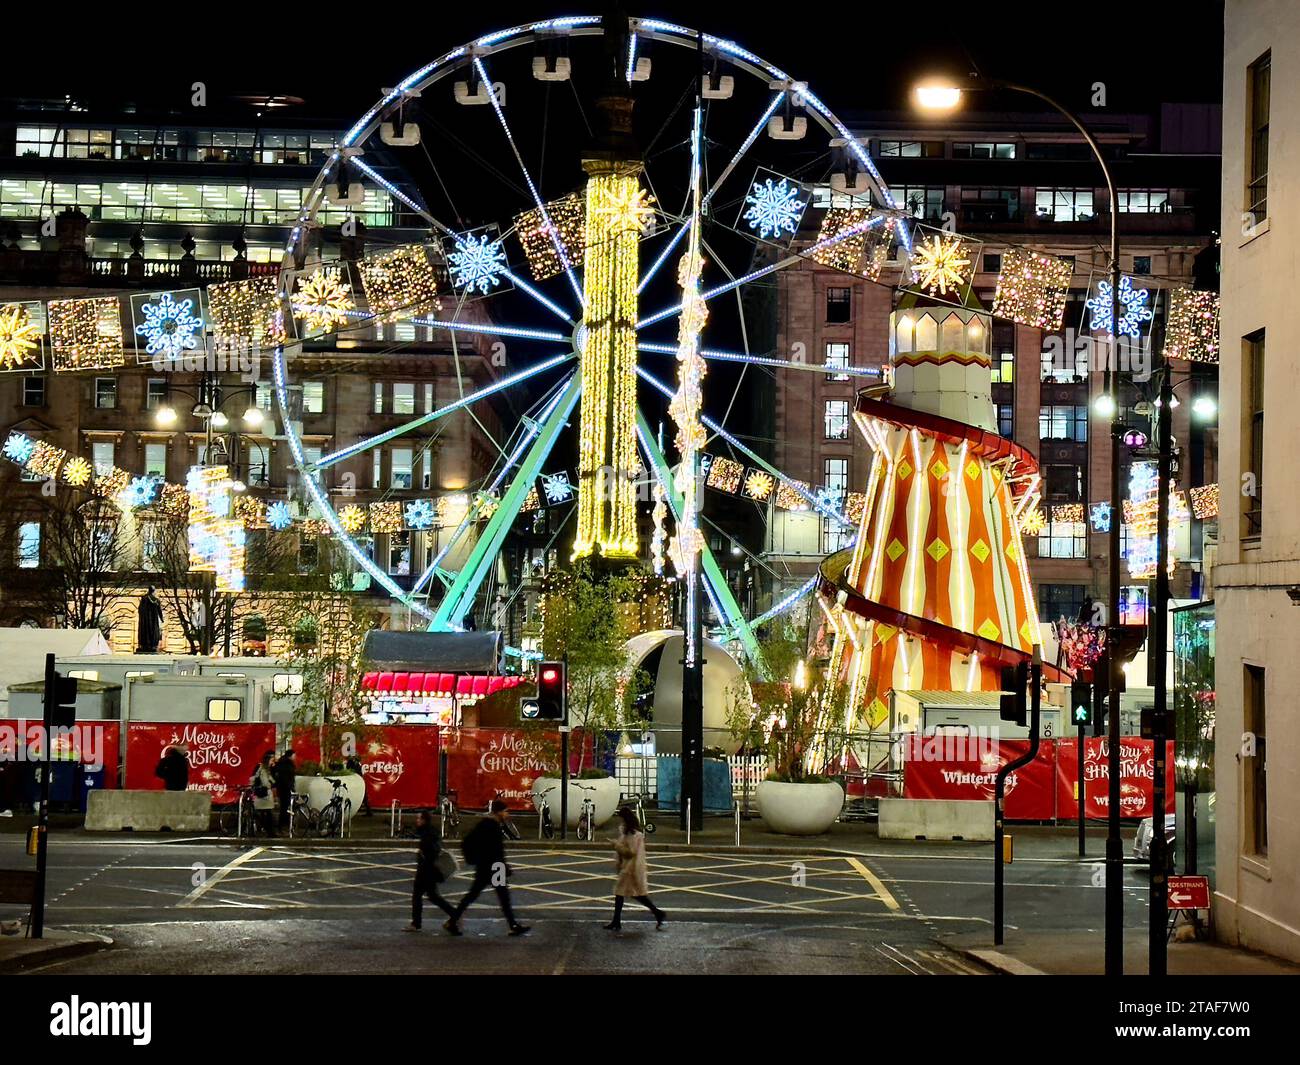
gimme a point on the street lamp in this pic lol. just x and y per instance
(938, 94)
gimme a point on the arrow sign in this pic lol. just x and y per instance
(1189, 893)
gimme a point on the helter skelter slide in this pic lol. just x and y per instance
(934, 595)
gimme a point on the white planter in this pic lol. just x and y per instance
(318, 790)
(606, 795)
(799, 809)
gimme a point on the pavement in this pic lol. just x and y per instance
(845, 902)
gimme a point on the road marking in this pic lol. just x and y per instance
(220, 874)
(882, 892)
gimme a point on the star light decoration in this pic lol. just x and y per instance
(774, 208)
(564, 222)
(476, 262)
(1032, 289)
(1133, 304)
(352, 518)
(19, 448)
(759, 485)
(77, 472)
(1192, 331)
(169, 328)
(323, 301)
(420, 514)
(556, 487)
(20, 338)
(1034, 522)
(278, 516)
(399, 283)
(86, 334)
(941, 263)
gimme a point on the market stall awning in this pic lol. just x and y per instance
(464, 686)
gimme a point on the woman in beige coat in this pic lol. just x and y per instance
(632, 879)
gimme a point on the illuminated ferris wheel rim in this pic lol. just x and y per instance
(472, 54)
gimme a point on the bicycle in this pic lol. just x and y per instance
(638, 804)
(238, 818)
(587, 819)
(337, 813)
(448, 816)
(545, 826)
(303, 820)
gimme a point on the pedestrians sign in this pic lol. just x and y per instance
(1189, 893)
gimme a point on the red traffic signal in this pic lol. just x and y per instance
(552, 692)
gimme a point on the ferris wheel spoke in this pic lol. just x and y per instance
(713, 354)
(532, 187)
(748, 143)
(361, 446)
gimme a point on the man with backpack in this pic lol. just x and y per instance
(484, 848)
(432, 866)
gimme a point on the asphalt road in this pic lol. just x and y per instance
(199, 906)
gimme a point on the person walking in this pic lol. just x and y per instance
(484, 848)
(285, 772)
(263, 783)
(174, 768)
(428, 875)
(633, 880)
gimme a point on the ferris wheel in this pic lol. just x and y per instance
(645, 177)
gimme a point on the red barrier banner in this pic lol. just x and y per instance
(398, 762)
(485, 764)
(93, 743)
(948, 767)
(222, 757)
(1136, 782)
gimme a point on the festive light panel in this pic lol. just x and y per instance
(725, 474)
(846, 254)
(46, 459)
(352, 518)
(246, 313)
(568, 224)
(556, 487)
(168, 325)
(1205, 501)
(1133, 308)
(78, 472)
(616, 215)
(420, 514)
(1032, 289)
(1192, 331)
(174, 501)
(942, 263)
(86, 334)
(773, 207)
(855, 505)
(250, 510)
(112, 484)
(531, 501)
(1071, 512)
(386, 516)
(880, 246)
(759, 484)
(322, 302)
(788, 496)
(22, 337)
(399, 283)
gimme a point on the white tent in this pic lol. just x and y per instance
(23, 651)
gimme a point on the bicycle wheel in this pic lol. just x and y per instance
(325, 826)
(548, 826)
(345, 819)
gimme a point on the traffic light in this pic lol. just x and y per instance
(1015, 683)
(1081, 703)
(552, 693)
(61, 702)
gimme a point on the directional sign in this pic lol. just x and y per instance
(1189, 893)
(529, 708)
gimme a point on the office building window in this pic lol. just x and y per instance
(1063, 483)
(404, 398)
(428, 396)
(1056, 601)
(839, 305)
(837, 355)
(378, 467)
(152, 535)
(105, 393)
(377, 406)
(29, 545)
(313, 397)
(836, 420)
(1063, 423)
(983, 150)
(1064, 205)
(312, 455)
(33, 391)
(1257, 165)
(1143, 201)
(1142, 264)
(920, 201)
(1007, 420)
(1253, 445)
(990, 205)
(101, 456)
(399, 553)
(1255, 764)
(265, 395)
(155, 460)
(1004, 353)
(910, 149)
(992, 262)
(1063, 539)
(155, 395)
(402, 461)
(835, 477)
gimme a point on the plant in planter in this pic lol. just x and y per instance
(787, 714)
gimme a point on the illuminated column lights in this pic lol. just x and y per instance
(617, 212)
(216, 535)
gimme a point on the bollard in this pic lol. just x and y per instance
(688, 822)
(394, 819)
(737, 823)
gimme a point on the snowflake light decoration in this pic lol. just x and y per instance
(941, 263)
(169, 328)
(19, 447)
(140, 492)
(352, 518)
(828, 501)
(323, 300)
(19, 336)
(774, 207)
(477, 263)
(557, 488)
(78, 472)
(420, 514)
(1133, 303)
(278, 516)
(759, 484)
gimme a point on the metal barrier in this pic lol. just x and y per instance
(394, 819)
